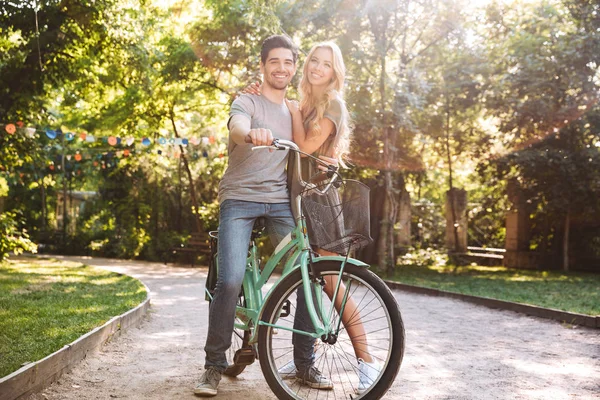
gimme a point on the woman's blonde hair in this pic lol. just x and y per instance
(313, 108)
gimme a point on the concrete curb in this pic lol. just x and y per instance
(557, 315)
(38, 375)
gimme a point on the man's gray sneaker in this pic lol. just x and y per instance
(314, 378)
(209, 382)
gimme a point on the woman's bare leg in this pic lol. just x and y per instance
(350, 317)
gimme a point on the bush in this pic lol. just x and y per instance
(426, 257)
(12, 238)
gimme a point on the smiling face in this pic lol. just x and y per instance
(279, 68)
(319, 71)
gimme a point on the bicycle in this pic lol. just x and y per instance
(264, 323)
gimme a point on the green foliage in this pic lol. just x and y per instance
(135, 76)
(557, 176)
(427, 257)
(545, 63)
(486, 211)
(543, 93)
(546, 104)
(13, 238)
(434, 88)
(44, 44)
(3, 187)
(228, 43)
(427, 223)
(209, 215)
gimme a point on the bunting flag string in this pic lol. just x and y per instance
(53, 134)
(103, 152)
(78, 162)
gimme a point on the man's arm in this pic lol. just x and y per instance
(239, 127)
(239, 130)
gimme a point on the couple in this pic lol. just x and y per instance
(255, 185)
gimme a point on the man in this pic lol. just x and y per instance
(253, 186)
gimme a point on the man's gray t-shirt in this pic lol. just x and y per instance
(258, 175)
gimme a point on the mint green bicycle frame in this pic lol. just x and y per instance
(299, 251)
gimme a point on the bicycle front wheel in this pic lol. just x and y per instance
(361, 355)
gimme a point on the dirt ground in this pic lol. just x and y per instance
(454, 350)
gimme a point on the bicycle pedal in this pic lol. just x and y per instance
(244, 356)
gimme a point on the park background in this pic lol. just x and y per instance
(470, 117)
(476, 125)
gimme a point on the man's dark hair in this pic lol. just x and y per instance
(275, 42)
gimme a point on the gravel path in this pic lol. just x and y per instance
(454, 350)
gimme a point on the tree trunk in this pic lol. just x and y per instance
(179, 198)
(565, 245)
(370, 253)
(385, 253)
(156, 206)
(44, 205)
(385, 245)
(450, 182)
(195, 206)
(65, 216)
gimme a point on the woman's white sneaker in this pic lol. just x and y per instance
(367, 374)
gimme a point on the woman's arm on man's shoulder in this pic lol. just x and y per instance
(307, 142)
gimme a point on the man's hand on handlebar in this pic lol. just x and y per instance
(260, 137)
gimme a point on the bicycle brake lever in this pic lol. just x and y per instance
(277, 145)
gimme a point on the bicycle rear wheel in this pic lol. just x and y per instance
(375, 311)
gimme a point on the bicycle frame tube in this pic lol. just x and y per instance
(252, 296)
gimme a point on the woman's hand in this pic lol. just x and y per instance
(292, 106)
(253, 88)
(329, 161)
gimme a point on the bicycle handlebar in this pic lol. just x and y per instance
(281, 144)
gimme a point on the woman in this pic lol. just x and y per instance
(321, 127)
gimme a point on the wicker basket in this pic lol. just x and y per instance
(338, 219)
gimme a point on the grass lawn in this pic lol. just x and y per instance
(573, 292)
(46, 304)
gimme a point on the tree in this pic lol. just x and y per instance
(392, 50)
(42, 44)
(544, 85)
(136, 76)
(451, 119)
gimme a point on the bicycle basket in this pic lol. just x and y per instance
(339, 219)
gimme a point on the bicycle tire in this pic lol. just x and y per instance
(273, 356)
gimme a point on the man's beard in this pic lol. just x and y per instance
(280, 87)
(277, 86)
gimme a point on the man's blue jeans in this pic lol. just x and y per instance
(236, 219)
